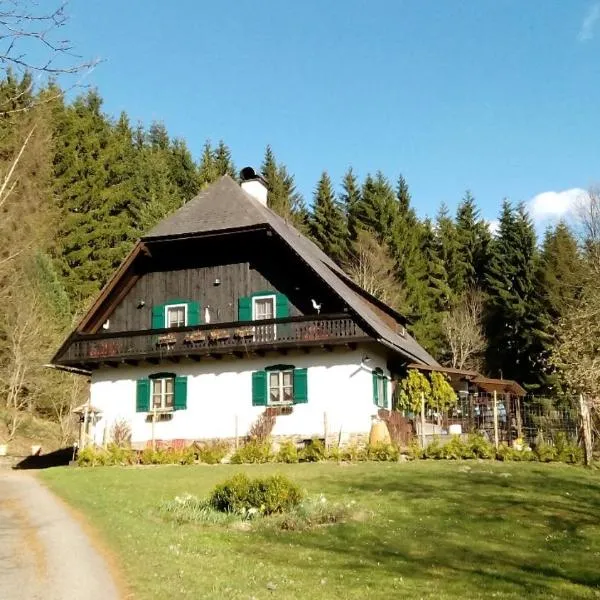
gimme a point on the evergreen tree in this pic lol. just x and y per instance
(208, 171)
(431, 295)
(448, 251)
(223, 162)
(376, 210)
(327, 223)
(473, 239)
(282, 195)
(350, 200)
(516, 322)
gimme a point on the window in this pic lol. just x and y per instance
(281, 387)
(380, 389)
(176, 315)
(263, 308)
(163, 392)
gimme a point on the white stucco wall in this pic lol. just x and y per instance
(219, 398)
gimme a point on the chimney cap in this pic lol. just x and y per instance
(249, 174)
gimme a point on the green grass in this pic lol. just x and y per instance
(439, 531)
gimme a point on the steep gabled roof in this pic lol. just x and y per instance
(226, 206)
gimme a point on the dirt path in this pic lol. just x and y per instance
(44, 552)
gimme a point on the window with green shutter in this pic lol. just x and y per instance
(279, 385)
(263, 305)
(380, 392)
(259, 388)
(158, 316)
(180, 393)
(245, 309)
(300, 386)
(175, 313)
(142, 402)
(161, 392)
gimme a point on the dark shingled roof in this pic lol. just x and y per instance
(225, 206)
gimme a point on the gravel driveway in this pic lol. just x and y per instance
(44, 552)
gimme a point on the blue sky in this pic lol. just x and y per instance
(498, 96)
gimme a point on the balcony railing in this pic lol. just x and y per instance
(219, 338)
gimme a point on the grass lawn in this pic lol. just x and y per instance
(438, 531)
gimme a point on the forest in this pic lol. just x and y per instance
(78, 187)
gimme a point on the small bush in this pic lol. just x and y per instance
(480, 446)
(414, 449)
(288, 453)
(545, 452)
(314, 451)
(456, 449)
(91, 457)
(118, 455)
(382, 451)
(566, 451)
(252, 452)
(434, 449)
(354, 453)
(242, 495)
(213, 453)
(335, 453)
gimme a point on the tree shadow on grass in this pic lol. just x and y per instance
(530, 533)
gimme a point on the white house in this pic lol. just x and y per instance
(225, 311)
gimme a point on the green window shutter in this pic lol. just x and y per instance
(375, 388)
(245, 309)
(158, 316)
(259, 388)
(385, 391)
(193, 313)
(282, 306)
(300, 386)
(142, 399)
(180, 402)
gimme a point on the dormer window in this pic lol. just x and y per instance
(176, 315)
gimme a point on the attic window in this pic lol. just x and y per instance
(176, 315)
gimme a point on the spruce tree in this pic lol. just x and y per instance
(208, 171)
(473, 239)
(223, 162)
(282, 195)
(516, 322)
(376, 210)
(327, 223)
(350, 200)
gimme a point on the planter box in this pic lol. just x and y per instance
(244, 332)
(166, 340)
(219, 335)
(192, 338)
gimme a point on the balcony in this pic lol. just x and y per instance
(237, 339)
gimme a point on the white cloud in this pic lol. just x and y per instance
(552, 206)
(493, 226)
(588, 25)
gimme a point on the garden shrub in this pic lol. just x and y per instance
(545, 452)
(91, 457)
(213, 452)
(382, 451)
(288, 453)
(480, 446)
(314, 451)
(434, 449)
(253, 451)
(414, 449)
(456, 449)
(567, 451)
(334, 452)
(119, 455)
(354, 453)
(268, 495)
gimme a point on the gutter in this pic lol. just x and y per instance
(73, 370)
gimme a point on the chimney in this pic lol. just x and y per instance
(254, 183)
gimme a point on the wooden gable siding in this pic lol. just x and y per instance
(245, 263)
(195, 284)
